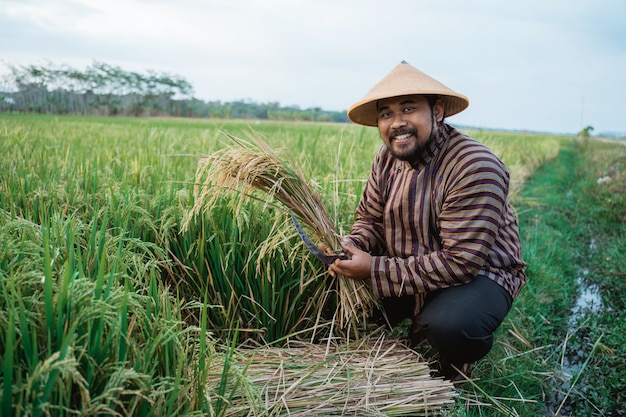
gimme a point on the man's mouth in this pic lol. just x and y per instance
(403, 138)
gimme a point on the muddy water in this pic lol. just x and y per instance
(588, 302)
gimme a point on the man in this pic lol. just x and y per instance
(434, 233)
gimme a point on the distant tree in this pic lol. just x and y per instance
(104, 89)
(586, 132)
(100, 88)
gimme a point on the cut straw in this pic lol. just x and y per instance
(370, 377)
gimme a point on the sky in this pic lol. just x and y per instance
(538, 65)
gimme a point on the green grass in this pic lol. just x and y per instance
(107, 307)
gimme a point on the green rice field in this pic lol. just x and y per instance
(109, 307)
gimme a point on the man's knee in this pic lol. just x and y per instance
(455, 342)
(461, 320)
(456, 334)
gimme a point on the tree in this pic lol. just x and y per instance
(100, 88)
(586, 132)
(105, 89)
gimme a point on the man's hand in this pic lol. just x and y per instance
(357, 267)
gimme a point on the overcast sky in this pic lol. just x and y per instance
(542, 65)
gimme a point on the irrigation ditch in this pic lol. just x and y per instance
(587, 306)
(573, 215)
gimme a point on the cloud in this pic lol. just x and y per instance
(531, 65)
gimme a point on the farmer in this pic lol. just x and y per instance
(434, 233)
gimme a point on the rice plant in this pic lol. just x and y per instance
(79, 341)
(254, 166)
(107, 306)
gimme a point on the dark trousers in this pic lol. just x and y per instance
(458, 322)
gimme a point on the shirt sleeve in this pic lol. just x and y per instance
(468, 225)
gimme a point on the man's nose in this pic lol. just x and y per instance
(398, 121)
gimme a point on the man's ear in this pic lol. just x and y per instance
(438, 110)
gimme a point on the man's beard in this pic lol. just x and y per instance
(409, 152)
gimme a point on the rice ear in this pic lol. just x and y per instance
(252, 165)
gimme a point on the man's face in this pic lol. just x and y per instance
(405, 124)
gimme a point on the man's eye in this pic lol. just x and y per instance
(409, 109)
(385, 115)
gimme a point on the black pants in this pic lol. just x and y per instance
(458, 322)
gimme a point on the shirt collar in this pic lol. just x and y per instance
(432, 148)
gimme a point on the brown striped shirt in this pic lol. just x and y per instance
(440, 221)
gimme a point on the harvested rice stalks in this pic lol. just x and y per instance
(253, 165)
(374, 377)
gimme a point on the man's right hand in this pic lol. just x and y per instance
(357, 267)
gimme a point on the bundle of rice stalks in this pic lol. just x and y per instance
(375, 377)
(252, 165)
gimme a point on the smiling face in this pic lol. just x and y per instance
(406, 123)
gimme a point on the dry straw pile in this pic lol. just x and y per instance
(252, 165)
(373, 377)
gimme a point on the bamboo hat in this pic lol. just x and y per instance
(404, 80)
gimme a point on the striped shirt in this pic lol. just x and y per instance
(440, 221)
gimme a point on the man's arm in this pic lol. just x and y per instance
(468, 224)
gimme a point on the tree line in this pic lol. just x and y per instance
(103, 89)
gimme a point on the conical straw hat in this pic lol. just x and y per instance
(404, 80)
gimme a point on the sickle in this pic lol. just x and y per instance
(327, 259)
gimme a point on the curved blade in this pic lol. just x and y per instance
(327, 259)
